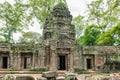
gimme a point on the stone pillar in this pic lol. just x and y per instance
(53, 61)
(68, 62)
(33, 60)
(71, 61)
(15, 61)
(19, 61)
(36, 60)
(0, 61)
(41, 59)
(10, 60)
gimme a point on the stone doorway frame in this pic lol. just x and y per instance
(27, 55)
(60, 67)
(92, 58)
(89, 63)
(5, 62)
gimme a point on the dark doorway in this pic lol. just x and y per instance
(25, 62)
(5, 62)
(62, 63)
(89, 63)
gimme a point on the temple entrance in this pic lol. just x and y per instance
(26, 62)
(62, 61)
(5, 62)
(89, 63)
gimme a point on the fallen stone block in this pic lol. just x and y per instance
(41, 78)
(49, 74)
(60, 78)
(70, 76)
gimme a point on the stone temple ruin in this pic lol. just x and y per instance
(60, 51)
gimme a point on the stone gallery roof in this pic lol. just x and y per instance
(103, 49)
(7, 47)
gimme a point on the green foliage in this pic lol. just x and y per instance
(39, 70)
(12, 17)
(111, 37)
(90, 36)
(106, 39)
(104, 15)
(9, 78)
(31, 37)
(80, 71)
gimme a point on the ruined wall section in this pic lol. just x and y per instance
(21, 56)
(100, 54)
(78, 59)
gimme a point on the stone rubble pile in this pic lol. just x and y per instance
(115, 76)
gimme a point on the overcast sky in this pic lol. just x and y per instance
(77, 7)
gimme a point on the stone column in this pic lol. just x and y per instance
(0, 61)
(71, 61)
(10, 60)
(53, 61)
(43, 59)
(68, 62)
(19, 61)
(33, 61)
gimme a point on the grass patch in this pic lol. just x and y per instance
(39, 70)
(80, 71)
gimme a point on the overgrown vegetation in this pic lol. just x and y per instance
(39, 70)
(105, 15)
(80, 71)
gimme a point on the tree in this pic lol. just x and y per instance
(31, 38)
(13, 20)
(90, 36)
(105, 14)
(79, 23)
(111, 37)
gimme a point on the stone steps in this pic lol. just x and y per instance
(17, 72)
(61, 73)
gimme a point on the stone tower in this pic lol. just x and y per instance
(59, 37)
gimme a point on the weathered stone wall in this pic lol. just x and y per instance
(98, 55)
(78, 59)
(16, 53)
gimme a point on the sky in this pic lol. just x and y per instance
(76, 7)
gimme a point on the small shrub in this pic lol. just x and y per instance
(80, 71)
(39, 70)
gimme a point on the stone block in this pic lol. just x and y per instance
(41, 78)
(60, 78)
(49, 74)
(70, 76)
